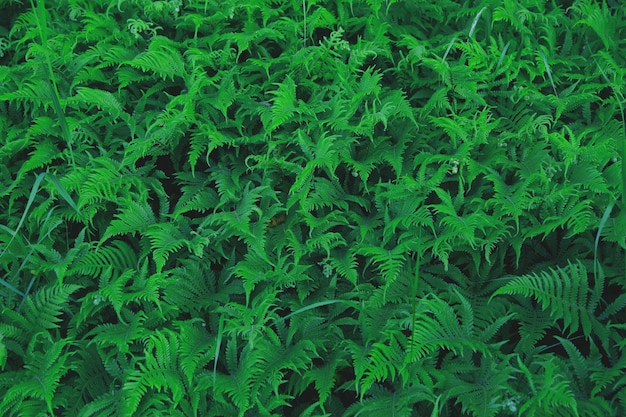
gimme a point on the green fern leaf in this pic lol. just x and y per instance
(117, 255)
(32, 95)
(191, 284)
(197, 195)
(120, 337)
(132, 217)
(551, 391)
(439, 325)
(46, 363)
(161, 58)
(564, 292)
(165, 238)
(389, 262)
(324, 377)
(345, 263)
(112, 287)
(384, 359)
(159, 372)
(533, 325)
(42, 310)
(197, 347)
(103, 100)
(284, 104)
(105, 405)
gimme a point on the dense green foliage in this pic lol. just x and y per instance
(312, 208)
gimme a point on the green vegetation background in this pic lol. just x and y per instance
(312, 208)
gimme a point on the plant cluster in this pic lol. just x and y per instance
(312, 208)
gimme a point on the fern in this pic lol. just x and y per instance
(118, 255)
(191, 284)
(482, 390)
(534, 323)
(159, 372)
(196, 348)
(443, 326)
(120, 337)
(345, 263)
(42, 309)
(134, 217)
(284, 104)
(46, 364)
(565, 292)
(32, 96)
(598, 17)
(162, 58)
(165, 238)
(550, 390)
(389, 261)
(103, 100)
(103, 405)
(384, 358)
(296, 208)
(253, 269)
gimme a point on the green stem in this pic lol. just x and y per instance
(40, 15)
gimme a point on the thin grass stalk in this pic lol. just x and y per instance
(40, 15)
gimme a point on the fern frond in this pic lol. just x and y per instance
(122, 336)
(578, 362)
(384, 359)
(345, 263)
(197, 195)
(599, 18)
(46, 363)
(159, 372)
(561, 208)
(196, 347)
(551, 391)
(284, 104)
(33, 95)
(482, 390)
(511, 200)
(324, 193)
(116, 254)
(132, 217)
(253, 269)
(103, 100)
(144, 288)
(392, 105)
(165, 239)
(105, 179)
(395, 401)
(228, 183)
(162, 58)
(389, 262)
(112, 286)
(44, 153)
(205, 139)
(563, 291)
(439, 325)
(325, 377)
(534, 323)
(42, 310)
(276, 359)
(191, 284)
(105, 405)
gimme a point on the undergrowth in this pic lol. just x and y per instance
(312, 208)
